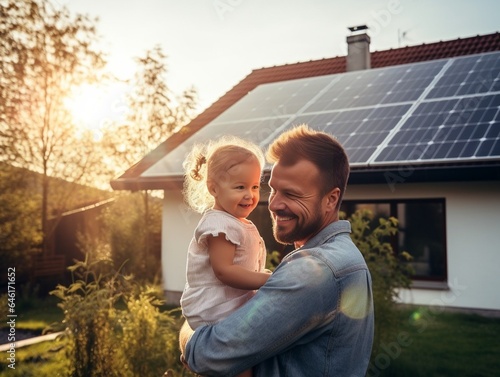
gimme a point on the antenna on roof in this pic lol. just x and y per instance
(402, 36)
(357, 28)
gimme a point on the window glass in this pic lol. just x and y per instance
(421, 232)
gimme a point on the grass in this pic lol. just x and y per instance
(433, 343)
(38, 314)
(427, 343)
(42, 359)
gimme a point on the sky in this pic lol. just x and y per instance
(213, 44)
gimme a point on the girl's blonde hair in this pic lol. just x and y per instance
(211, 161)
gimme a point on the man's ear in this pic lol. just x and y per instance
(332, 198)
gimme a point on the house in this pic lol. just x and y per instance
(421, 127)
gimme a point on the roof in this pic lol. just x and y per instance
(132, 180)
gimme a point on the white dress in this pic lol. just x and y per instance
(206, 299)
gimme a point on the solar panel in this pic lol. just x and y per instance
(274, 100)
(469, 75)
(377, 86)
(253, 130)
(360, 131)
(458, 119)
(443, 110)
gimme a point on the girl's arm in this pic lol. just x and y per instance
(221, 253)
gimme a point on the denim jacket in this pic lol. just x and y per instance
(313, 317)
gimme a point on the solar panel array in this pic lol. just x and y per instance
(431, 112)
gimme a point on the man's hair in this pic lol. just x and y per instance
(320, 148)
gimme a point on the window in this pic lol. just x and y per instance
(421, 232)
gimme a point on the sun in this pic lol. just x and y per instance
(95, 107)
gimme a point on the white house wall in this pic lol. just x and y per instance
(472, 231)
(178, 226)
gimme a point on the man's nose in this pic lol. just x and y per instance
(275, 203)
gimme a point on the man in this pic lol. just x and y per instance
(314, 316)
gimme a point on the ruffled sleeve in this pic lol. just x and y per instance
(215, 223)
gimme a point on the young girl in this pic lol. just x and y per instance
(226, 257)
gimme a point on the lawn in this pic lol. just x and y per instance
(43, 359)
(428, 343)
(433, 343)
(46, 359)
(38, 314)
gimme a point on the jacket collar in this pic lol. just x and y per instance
(331, 230)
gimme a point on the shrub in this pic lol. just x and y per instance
(114, 326)
(389, 271)
(149, 341)
(89, 315)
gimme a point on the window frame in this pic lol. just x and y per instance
(428, 282)
(424, 282)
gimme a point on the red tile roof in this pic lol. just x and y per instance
(131, 179)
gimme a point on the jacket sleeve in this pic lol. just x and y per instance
(300, 296)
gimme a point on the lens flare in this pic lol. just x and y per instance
(354, 302)
(415, 316)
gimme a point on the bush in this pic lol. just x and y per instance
(115, 327)
(88, 306)
(149, 340)
(132, 234)
(388, 270)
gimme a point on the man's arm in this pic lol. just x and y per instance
(288, 306)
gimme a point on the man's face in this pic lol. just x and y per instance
(298, 210)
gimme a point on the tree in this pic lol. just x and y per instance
(124, 236)
(19, 233)
(44, 54)
(154, 114)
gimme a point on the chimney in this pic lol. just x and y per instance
(358, 49)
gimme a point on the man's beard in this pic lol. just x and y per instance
(301, 231)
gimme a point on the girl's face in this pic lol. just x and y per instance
(237, 191)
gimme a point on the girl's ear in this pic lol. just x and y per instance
(212, 188)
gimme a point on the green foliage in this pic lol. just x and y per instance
(272, 259)
(20, 232)
(89, 317)
(149, 336)
(153, 112)
(115, 327)
(389, 272)
(134, 239)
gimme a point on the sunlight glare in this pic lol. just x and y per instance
(95, 107)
